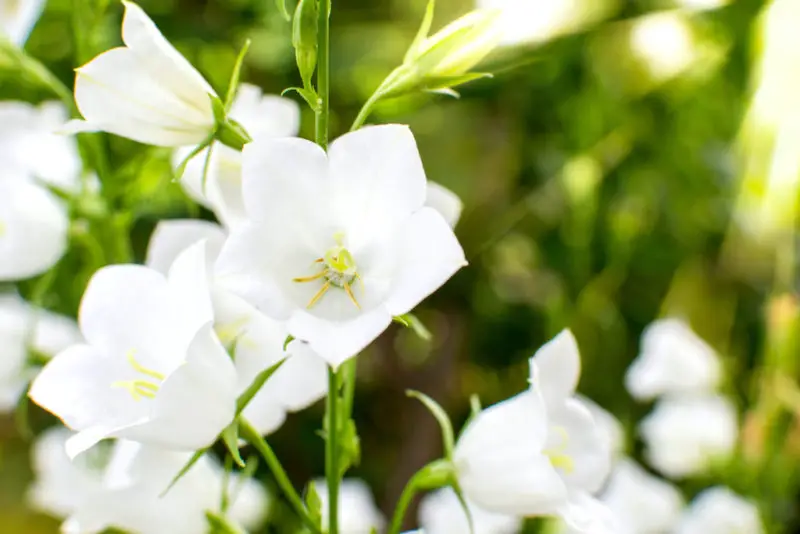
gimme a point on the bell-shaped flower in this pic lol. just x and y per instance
(441, 512)
(585, 514)
(30, 149)
(152, 368)
(673, 360)
(120, 486)
(17, 18)
(263, 116)
(29, 210)
(684, 435)
(609, 426)
(357, 512)
(647, 504)
(256, 342)
(24, 329)
(337, 244)
(718, 510)
(538, 452)
(61, 485)
(145, 91)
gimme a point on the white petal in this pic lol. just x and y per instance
(378, 180)
(77, 386)
(302, 380)
(720, 511)
(645, 502)
(338, 341)
(116, 93)
(190, 292)
(17, 19)
(428, 255)
(440, 512)
(27, 210)
(574, 433)
(162, 61)
(673, 360)
(583, 514)
(500, 462)
(559, 364)
(126, 309)
(445, 202)
(250, 503)
(610, 427)
(196, 402)
(285, 180)
(265, 116)
(357, 511)
(172, 237)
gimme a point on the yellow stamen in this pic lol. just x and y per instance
(303, 279)
(140, 388)
(142, 369)
(319, 295)
(349, 291)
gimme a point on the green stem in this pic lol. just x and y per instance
(252, 436)
(349, 386)
(323, 73)
(365, 112)
(332, 471)
(403, 503)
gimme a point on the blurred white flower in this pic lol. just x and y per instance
(337, 244)
(121, 485)
(357, 512)
(263, 116)
(718, 510)
(684, 435)
(647, 504)
(152, 370)
(540, 452)
(608, 425)
(28, 210)
(21, 324)
(145, 91)
(673, 360)
(445, 202)
(440, 512)
(587, 515)
(18, 17)
(30, 149)
(255, 340)
(664, 42)
(531, 21)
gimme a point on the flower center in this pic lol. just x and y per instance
(337, 269)
(140, 388)
(558, 455)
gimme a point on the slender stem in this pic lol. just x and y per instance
(366, 109)
(323, 73)
(402, 505)
(252, 436)
(332, 451)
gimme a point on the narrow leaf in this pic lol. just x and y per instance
(409, 320)
(442, 418)
(185, 469)
(206, 166)
(310, 96)
(422, 33)
(464, 506)
(185, 161)
(282, 8)
(261, 378)
(288, 340)
(313, 503)
(230, 436)
(233, 85)
(220, 525)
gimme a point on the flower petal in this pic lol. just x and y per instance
(28, 210)
(428, 255)
(338, 341)
(378, 180)
(172, 237)
(195, 403)
(265, 116)
(559, 364)
(445, 202)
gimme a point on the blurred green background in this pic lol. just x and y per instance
(609, 178)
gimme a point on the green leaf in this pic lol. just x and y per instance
(309, 95)
(233, 85)
(206, 165)
(435, 475)
(304, 39)
(218, 107)
(349, 446)
(282, 8)
(259, 381)
(409, 320)
(447, 82)
(314, 503)
(422, 33)
(448, 441)
(463, 502)
(185, 469)
(185, 161)
(230, 436)
(218, 524)
(288, 340)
